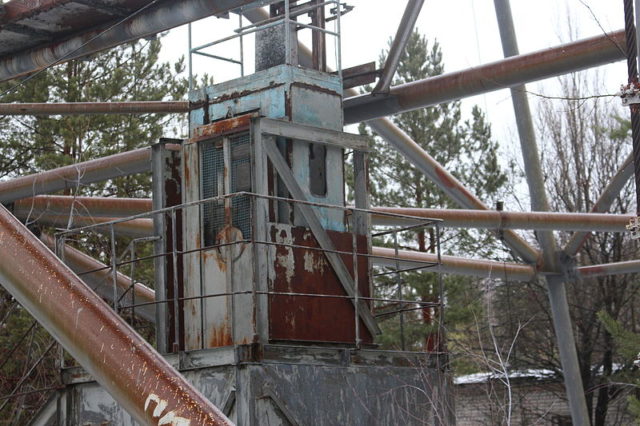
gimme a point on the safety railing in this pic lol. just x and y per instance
(122, 271)
(288, 20)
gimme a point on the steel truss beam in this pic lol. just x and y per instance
(400, 41)
(499, 220)
(502, 74)
(603, 204)
(507, 271)
(135, 375)
(537, 193)
(157, 18)
(84, 208)
(447, 87)
(74, 175)
(446, 181)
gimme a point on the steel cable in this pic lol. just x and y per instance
(632, 68)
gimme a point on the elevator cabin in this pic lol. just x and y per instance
(258, 268)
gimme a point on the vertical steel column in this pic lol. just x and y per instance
(135, 375)
(539, 202)
(166, 192)
(405, 29)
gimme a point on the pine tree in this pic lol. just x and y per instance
(33, 144)
(465, 148)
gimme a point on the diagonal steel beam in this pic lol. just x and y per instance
(485, 78)
(446, 181)
(604, 202)
(99, 277)
(405, 29)
(137, 377)
(285, 173)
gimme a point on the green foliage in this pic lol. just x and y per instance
(126, 73)
(467, 150)
(628, 344)
(33, 144)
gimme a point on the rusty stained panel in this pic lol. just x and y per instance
(297, 270)
(26, 24)
(223, 127)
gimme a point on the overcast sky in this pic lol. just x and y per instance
(466, 29)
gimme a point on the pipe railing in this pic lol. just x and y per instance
(135, 375)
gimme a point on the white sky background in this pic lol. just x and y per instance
(466, 30)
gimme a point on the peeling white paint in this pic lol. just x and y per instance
(169, 418)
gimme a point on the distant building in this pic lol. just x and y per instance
(537, 398)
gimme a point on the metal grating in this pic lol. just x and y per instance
(212, 185)
(241, 182)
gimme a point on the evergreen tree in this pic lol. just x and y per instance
(125, 73)
(467, 150)
(33, 144)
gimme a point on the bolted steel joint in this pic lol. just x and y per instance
(630, 94)
(634, 228)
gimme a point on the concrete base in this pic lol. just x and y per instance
(285, 385)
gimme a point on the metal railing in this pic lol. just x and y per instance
(286, 20)
(391, 300)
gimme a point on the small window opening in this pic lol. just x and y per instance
(318, 169)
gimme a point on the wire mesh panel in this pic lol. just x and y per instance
(241, 182)
(212, 184)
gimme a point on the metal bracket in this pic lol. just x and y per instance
(630, 94)
(634, 228)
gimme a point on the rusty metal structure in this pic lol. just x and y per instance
(263, 275)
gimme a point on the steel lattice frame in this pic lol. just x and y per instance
(512, 72)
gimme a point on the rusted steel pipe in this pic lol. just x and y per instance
(136, 228)
(69, 177)
(54, 211)
(15, 10)
(627, 267)
(497, 75)
(99, 277)
(84, 206)
(77, 108)
(490, 268)
(135, 375)
(446, 181)
(491, 219)
(455, 265)
(157, 18)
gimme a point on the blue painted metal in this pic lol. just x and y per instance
(301, 95)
